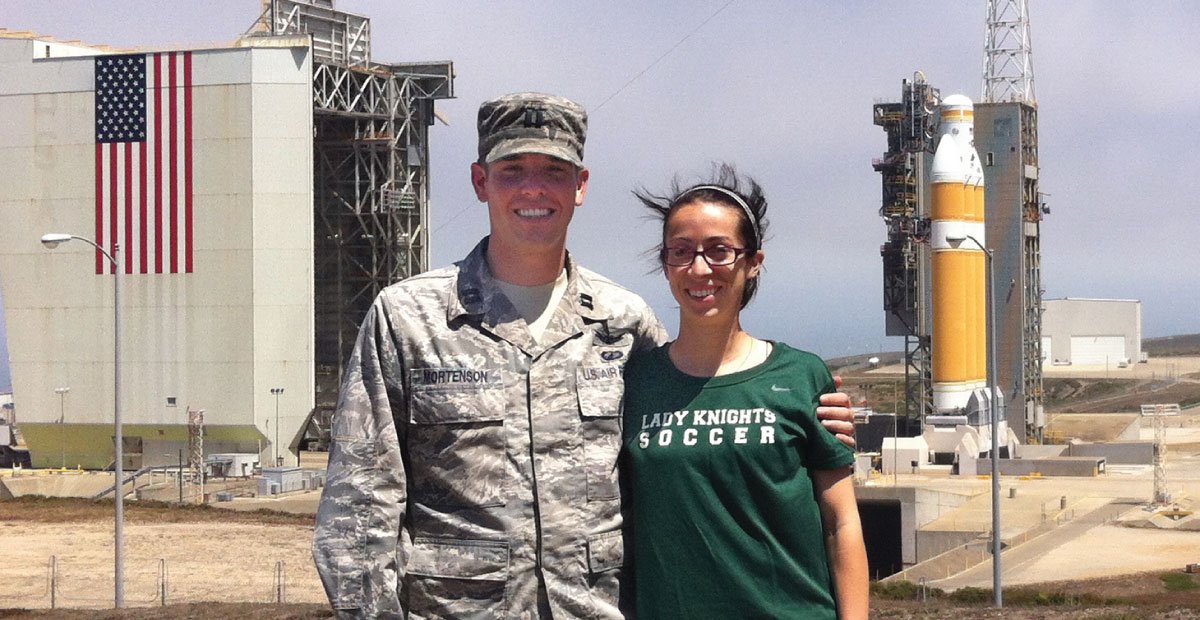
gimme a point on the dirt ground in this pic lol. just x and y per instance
(1136, 597)
(202, 555)
(221, 565)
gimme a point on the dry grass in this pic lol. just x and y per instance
(192, 611)
(70, 510)
(1142, 596)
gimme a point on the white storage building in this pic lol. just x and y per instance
(1091, 332)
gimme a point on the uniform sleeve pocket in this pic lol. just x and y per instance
(485, 560)
(605, 551)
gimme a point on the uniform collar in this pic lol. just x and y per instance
(476, 293)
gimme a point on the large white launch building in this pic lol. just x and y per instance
(207, 169)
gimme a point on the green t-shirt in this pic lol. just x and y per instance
(726, 524)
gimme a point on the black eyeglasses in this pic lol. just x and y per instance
(715, 256)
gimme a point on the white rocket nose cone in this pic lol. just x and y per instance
(948, 164)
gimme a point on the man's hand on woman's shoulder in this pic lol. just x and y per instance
(835, 414)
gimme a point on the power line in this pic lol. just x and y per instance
(619, 90)
(666, 53)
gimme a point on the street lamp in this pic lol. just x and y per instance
(993, 410)
(51, 241)
(62, 408)
(276, 392)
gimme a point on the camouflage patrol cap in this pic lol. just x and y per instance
(532, 123)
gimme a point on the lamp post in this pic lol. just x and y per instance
(62, 416)
(276, 392)
(994, 412)
(51, 241)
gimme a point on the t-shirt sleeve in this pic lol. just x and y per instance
(824, 449)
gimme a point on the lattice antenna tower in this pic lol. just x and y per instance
(1162, 497)
(1008, 53)
(196, 451)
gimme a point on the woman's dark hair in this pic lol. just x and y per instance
(740, 193)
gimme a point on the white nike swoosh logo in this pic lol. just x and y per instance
(776, 388)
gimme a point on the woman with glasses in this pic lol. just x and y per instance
(743, 505)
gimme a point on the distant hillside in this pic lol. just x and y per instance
(862, 361)
(1188, 344)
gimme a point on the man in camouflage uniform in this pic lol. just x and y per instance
(473, 466)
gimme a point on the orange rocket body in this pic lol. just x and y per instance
(959, 343)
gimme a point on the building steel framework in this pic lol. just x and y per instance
(370, 159)
(911, 127)
(1008, 78)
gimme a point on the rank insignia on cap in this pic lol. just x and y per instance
(534, 123)
(535, 116)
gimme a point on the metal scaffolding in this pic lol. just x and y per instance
(370, 158)
(1031, 263)
(911, 126)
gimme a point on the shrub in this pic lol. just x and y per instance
(1176, 582)
(971, 595)
(902, 591)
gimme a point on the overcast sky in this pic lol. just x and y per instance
(783, 90)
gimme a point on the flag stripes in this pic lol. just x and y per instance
(144, 201)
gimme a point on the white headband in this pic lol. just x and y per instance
(732, 195)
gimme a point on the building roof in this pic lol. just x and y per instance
(1130, 301)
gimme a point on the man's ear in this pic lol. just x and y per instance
(581, 186)
(479, 181)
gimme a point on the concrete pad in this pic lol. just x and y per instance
(74, 484)
(1090, 426)
(1154, 368)
(297, 503)
(1110, 550)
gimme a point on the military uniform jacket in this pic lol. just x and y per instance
(468, 457)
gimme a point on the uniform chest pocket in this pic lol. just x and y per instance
(456, 442)
(599, 389)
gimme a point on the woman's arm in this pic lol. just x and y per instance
(843, 541)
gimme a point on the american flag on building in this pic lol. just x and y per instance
(144, 161)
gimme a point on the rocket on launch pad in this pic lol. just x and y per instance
(959, 343)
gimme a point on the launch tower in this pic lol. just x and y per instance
(911, 126)
(1006, 136)
(1005, 131)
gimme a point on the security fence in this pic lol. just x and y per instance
(69, 584)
